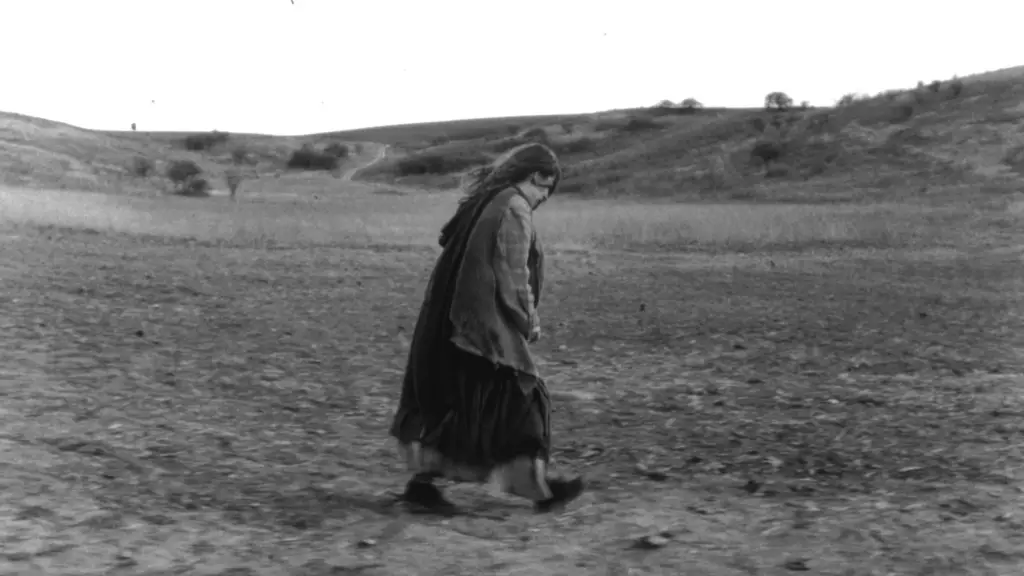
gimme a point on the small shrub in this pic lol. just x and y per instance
(817, 123)
(240, 156)
(306, 158)
(691, 104)
(902, 113)
(778, 101)
(436, 163)
(504, 145)
(777, 171)
(577, 146)
(805, 105)
(535, 135)
(641, 124)
(956, 87)
(196, 187)
(817, 167)
(205, 141)
(336, 149)
(716, 173)
(142, 166)
(846, 100)
(935, 86)
(185, 174)
(133, 126)
(358, 148)
(1014, 157)
(766, 152)
(758, 124)
(567, 127)
(182, 170)
(531, 135)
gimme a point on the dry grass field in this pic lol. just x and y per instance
(203, 386)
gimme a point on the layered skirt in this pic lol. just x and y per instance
(481, 423)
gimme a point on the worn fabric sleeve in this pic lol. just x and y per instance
(512, 266)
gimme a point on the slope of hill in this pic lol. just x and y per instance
(894, 144)
(39, 153)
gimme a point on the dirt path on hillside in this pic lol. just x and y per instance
(381, 154)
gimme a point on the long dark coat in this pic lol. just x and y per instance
(462, 313)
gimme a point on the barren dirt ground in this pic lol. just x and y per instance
(172, 408)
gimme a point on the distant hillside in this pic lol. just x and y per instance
(1001, 75)
(894, 144)
(42, 153)
(424, 133)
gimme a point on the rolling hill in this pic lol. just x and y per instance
(894, 144)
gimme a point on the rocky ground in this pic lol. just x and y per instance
(173, 408)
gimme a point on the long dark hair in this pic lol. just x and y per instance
(509, 169)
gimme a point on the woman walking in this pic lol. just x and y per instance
(474, 407)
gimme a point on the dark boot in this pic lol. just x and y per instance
(562, 492)
(425, 497)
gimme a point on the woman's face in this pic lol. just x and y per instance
(543, 180)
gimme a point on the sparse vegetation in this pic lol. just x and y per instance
(848, 99)
(187, 178)
(240, 155)
(437, 163)
(308, 158)
(902, 113)
(143, 167)
(581, 145)
(336, 149)
(641, 124)
(654, 151)
(766, 152)
(778, 101)
(205, 141)
(956, 87)
(691, 104)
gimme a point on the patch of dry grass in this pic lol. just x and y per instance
(383, 219)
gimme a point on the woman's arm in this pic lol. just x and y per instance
(512, 269)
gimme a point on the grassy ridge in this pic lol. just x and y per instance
(891, 146)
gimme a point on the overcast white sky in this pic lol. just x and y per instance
(321, 65)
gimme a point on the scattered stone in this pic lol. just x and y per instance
(652, 541)
(752, 486)
(656, 475)
(796, 564)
